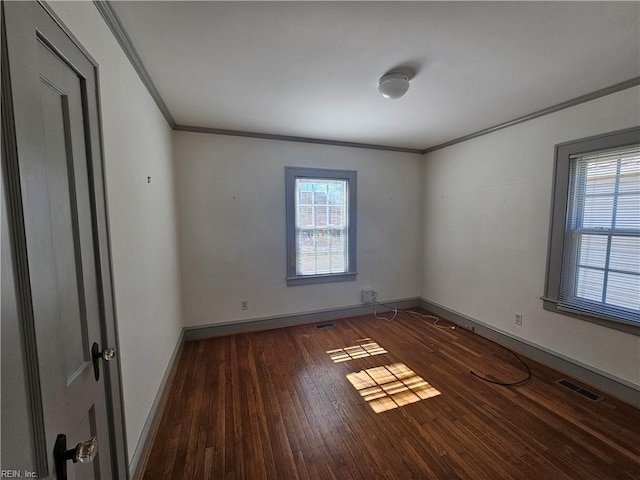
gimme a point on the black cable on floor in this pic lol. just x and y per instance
(495, 382)
(505, 384)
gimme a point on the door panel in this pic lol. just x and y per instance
(55, 112)
(60, 178)
(76, 397)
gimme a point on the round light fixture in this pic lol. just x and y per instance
(393, 85)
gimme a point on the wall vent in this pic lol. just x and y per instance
(325, 325)
(594, 397)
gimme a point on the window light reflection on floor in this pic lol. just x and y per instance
(365, 347)
(391, 386)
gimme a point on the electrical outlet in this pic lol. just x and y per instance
(518, 319)
(471, 328)
(369, 295)
(244, 304)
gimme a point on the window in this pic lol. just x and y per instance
(321, 225)
(593, 270)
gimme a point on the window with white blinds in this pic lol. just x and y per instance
(593, 262)
(320, 225)
(601, 268)
(322, 222)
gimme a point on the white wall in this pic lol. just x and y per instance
(486, 224)
(232, 224)
(137, 144)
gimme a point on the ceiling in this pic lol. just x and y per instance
(311, 69)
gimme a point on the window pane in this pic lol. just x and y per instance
(593, 251)
(338, 240)
(629, 175)
(320, 194)
(306, 263)
(623, 290)
(336, 217)
(336, 194)
(601, 177)
(337, 262)
(322, 263)
(628, 212)
(590, 284)
(598, 212)
(306, 241)
(321, 216)
(305, 198)
(625, 254)
(305, 217)
(322, 240)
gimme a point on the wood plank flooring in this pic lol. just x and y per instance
(274, 405)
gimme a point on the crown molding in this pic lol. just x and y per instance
(289, 138)
(603, 92)
(115, 25)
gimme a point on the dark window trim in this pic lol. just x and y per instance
(291, 173)
(559, 200)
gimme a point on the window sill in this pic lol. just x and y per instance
(622, 325)
(328, 278)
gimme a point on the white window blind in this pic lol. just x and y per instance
(601, 269)
(322, 226)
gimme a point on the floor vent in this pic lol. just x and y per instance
(325, 325)
(594, 397)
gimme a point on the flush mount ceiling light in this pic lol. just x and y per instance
(393, 85)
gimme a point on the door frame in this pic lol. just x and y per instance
(109, 332)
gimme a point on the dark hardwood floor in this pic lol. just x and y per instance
(299, 403)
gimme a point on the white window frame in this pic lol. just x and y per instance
(291, 175)
(559, 257)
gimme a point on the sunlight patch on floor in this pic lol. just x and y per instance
(364, 347)
(391, 386)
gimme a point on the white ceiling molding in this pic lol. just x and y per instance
(113, 22)
(618, 87)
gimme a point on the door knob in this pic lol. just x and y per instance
(84, 452)
(107, 354)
